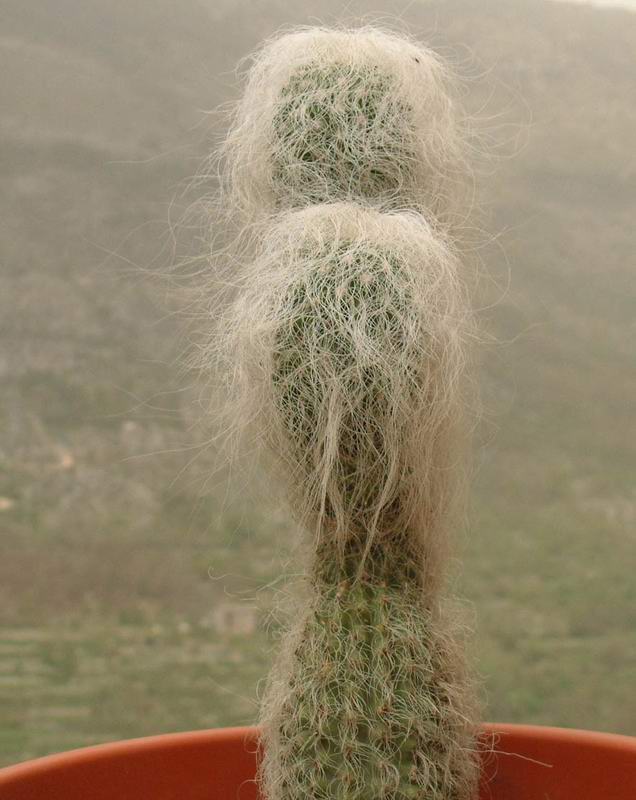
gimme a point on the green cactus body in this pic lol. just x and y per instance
(356, 294)
(349, 341)
(328, 115)
(373, 703)
(341, 131)
(372, 708)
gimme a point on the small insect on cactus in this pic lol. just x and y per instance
(349, 333)
(358, 114)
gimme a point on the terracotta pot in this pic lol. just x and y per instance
(527, 763)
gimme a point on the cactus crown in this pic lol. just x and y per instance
(362, 115)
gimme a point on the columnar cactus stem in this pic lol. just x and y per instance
(374, 704)
(350, 331)
(360, 115)
(346, 347)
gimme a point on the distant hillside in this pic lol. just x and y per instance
(103, 123)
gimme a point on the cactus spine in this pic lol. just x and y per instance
(350, 332)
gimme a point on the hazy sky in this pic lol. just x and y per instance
(631, 4)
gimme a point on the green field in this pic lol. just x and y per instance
(137, 576)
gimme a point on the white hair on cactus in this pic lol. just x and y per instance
(344, 355)
(330, 114)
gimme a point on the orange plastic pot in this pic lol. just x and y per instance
(526, 763)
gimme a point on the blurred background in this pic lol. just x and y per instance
(136, 582)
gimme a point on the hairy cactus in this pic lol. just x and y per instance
(350, 331)
(364, 115)
(345, 351)
(346, 345)
(371, 702)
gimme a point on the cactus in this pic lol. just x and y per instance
(374, 704)
(350, 329)
(364, 115)
(338, 131)
(345, 351)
